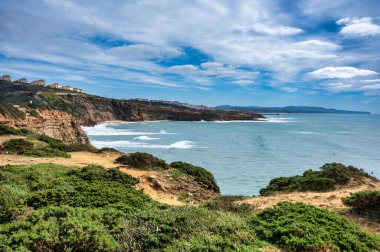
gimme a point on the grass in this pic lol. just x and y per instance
(327, 178)
(142, 160)
(200, 174)
(49, 207)
(365, 203)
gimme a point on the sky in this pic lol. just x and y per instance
(212, 52)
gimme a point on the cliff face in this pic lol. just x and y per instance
(58, 124)
(59, 114)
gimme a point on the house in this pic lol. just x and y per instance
(38, 83)
(6, 78)
(22, 80)
(79, 90)
(68, 88)
(55, 85)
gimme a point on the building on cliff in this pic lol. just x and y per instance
(79, 90)
(68, 88)
(6, 78)
(21, 80)
(55, 85)
(38, 83)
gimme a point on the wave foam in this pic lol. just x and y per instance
(145, 138)
(105, 130)
(130, 144)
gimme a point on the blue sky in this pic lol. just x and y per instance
(265, 53)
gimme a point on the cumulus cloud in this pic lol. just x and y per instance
(340, 72)
(358, 26)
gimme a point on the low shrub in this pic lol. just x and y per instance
(142, 160)
(154, 230)
(9, 111)
(79, 147)
(25, 147)
(63, 229)
(365, 203)
(329, 176)
(200, 174)
(300, 227)
(7, 130)
(228, 204)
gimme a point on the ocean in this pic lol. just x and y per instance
(245, 155)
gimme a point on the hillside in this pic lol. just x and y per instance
(290, 109)
(60, 114)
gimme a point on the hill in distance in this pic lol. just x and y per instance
(290, 109)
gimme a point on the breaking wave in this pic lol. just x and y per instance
(131, 144)
(105, 130)
(145, 138)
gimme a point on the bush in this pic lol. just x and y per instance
(200, 174)
(153, 230)
(329, 176)
(300, 227)
(6, 130)
(24, 147)
(9, 111)
(365, 203)
(63, 229)
(228, 204)
(142, 160)
(79, 147)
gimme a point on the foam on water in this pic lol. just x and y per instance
(145, 138)
(130, 144)
(106, 130)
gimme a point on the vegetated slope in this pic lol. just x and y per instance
(328, 178)
(54, 208)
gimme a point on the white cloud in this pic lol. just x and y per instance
(358, 26)
(340, 72)
(317, 44)
(371, 81)
(274, 30)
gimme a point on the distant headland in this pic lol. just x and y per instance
(290, 109)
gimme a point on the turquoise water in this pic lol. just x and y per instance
(244, 156)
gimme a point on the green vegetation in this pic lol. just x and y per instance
(142, 160)
(329, 176)
(228, 204)
(6, 130)
(54, 208)
(300, 227)
(49, 96)
(200, 174)
(10, 111)
(27, 148)
(366, 203)
(53, 147)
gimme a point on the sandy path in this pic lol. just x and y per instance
(105, 159)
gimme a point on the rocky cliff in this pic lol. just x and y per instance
(59, 114)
